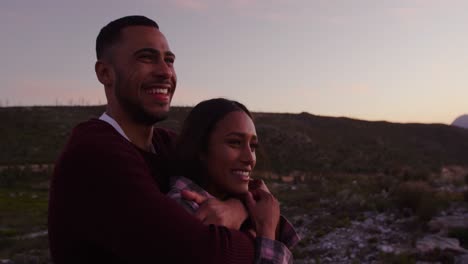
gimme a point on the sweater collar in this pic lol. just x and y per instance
(111, 121)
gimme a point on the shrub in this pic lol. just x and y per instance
(403, 258)
(420, 197)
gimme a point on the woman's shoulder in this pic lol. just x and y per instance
(180, 183)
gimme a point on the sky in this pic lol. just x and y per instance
(394, 60)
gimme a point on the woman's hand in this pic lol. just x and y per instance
(258, 184)
(264, 211)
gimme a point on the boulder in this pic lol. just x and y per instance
(463, 259)
(443, 224)
(431, 243)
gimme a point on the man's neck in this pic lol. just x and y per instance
(140, 135)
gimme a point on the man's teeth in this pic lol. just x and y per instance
(242, 172)
(157, 91)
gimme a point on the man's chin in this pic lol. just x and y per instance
(157, 117)
(150, 118)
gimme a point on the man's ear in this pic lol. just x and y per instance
(103, 73)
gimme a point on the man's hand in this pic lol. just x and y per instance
(230, 213)
(264, 211)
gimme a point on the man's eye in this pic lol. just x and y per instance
(146, 57)
(169, 61)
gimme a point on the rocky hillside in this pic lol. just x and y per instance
(369, 192)
(290, 142)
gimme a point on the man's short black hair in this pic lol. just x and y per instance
(111, 32)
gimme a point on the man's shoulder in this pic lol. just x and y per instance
(92, 126)
(96, 135)
(165, 132)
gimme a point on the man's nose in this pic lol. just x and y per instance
(163, 70)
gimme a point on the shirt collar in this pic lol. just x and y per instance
(111, 121)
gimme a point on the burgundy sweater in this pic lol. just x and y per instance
(107, 205)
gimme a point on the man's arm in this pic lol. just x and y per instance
(116, 205)
(230, 213)
(268, 251)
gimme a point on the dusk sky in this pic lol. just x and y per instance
(394, 60)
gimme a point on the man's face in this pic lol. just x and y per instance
(144, 79)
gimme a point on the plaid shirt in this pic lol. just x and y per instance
(267, 251)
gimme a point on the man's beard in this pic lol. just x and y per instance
(135, 110)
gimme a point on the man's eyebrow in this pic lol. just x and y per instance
(154, 51)
(169, 53)
(150, 50)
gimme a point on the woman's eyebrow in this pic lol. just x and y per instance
(239, 134)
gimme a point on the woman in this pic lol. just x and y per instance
(216, 153)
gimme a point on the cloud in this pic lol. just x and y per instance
(405, 13)
(416, 9)
(273, 11)
(195, 5)
(337, 20)
(198, 5)
(241, 4)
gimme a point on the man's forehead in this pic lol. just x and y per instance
(144, 35)
(138, 29)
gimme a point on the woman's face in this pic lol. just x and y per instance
(231, 155)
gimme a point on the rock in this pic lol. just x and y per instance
(35, 235)
(463, 259)
(430, 243)
(368, 222)
(355, 199)
(381, 217)
(445, 223)
(343, 194)
(386, 248)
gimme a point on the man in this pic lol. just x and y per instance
(107, 201)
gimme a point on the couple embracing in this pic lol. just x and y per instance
(124, 191)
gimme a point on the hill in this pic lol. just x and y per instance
(369, 181)
(304, 142)
(461, 121)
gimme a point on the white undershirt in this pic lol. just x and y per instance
(111, 121)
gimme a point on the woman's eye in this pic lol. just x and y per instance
(235, 143)
(253, 146)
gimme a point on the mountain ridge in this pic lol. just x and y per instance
(461, 121)
(289, 142)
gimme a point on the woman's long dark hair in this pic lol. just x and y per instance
(195, 134)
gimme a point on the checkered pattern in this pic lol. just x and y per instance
(267, 250)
